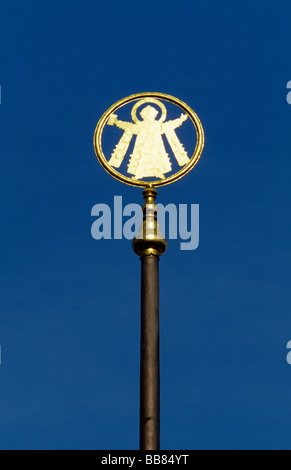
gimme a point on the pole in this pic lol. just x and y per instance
(149, 245)
(149, 358)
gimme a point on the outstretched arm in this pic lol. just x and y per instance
(175, 144)
(121, 148)
(175, 123)
(121, 124)
(178, 122)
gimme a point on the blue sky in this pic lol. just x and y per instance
(69, 329)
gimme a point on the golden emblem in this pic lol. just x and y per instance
(149, 158)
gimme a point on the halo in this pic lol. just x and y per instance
(149, 96)
(149, 100)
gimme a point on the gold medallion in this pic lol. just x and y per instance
(146, 134)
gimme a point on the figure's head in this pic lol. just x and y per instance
(149, 113)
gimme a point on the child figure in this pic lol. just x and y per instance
(149, 157)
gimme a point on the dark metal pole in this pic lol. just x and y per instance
(149, 245)
(149, 359)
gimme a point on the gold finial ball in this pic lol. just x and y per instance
(150, 240)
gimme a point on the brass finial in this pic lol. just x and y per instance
(150, 240)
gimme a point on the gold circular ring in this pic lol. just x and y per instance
(97, 140)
